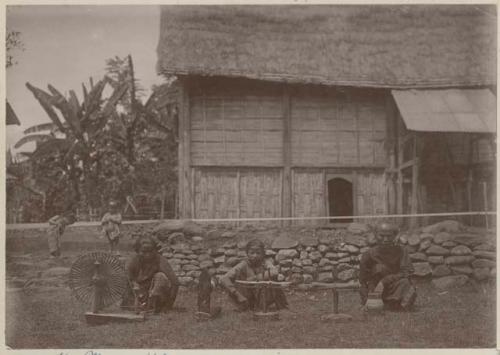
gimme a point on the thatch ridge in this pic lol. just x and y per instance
(353, 45)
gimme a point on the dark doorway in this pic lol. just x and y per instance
(340, 199)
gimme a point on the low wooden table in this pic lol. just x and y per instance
(264, 286)
(336, 287)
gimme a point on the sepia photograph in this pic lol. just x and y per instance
(250, 176)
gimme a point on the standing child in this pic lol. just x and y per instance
(111, 222)
(57, 224)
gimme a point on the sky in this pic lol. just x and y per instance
(65, 45)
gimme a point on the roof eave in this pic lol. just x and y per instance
(316, 80)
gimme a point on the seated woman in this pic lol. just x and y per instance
(153, 281)
(386, 268)
(253, 269)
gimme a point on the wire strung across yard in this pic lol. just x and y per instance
(478, 213)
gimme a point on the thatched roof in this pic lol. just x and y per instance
(353, 45)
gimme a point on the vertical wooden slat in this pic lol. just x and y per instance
(224, 132)
(358, 153)
(204, 108)
(287, 157)
(280, 191)
(293, 192)
(192, 189)
(180, 151)
(238, 196)
(325, 196)
(485, 202)
(399, 157)
(187, 148)
(355, 187)
(414, 185)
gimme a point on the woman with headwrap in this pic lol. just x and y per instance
(153, 281)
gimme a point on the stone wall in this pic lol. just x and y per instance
(445, 252)
(332, 255)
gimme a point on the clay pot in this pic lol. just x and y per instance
(374, 302)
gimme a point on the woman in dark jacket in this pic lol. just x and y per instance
(153, 280)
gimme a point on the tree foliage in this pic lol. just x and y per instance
(12, 42)
(102, 148)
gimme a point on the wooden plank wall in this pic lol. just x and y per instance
(260, 193)
(240, 155)
(335, 128)
(308, 194)
(215, 194)
(371, 194)
(237, 193)
(236, 127)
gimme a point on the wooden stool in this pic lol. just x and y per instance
(264, 286)
(336, 287)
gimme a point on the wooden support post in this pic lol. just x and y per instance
(238, 197)
(287, 157)
(335, 295)
(485, 200)
(163, 196)
(414, 184)
(355, 187)
(325, 196)
(185, 154)
(469, 194)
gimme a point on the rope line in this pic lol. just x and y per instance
(208, 220)
(479, 213)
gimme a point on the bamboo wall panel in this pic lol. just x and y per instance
(371, 193)
(338, 129)
(308, 195)
(237, 193)
(260, 193)
(236, 129)
(215, 194)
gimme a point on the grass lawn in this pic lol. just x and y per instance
(461, 318)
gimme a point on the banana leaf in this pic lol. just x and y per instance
(149, 117)
(113, 100)
(68, 114)
(46, 101)
(41, 128)
(74, 104)
(37, 138)
(93, 100)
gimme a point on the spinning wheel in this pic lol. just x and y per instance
(98, 280)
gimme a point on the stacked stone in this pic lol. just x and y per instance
(441, 251)
(186, 261)
(227, 256)
(444, 250)
(321, 255)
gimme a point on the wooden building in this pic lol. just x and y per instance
(330, 110)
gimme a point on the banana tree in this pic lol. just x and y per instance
(68, 164)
